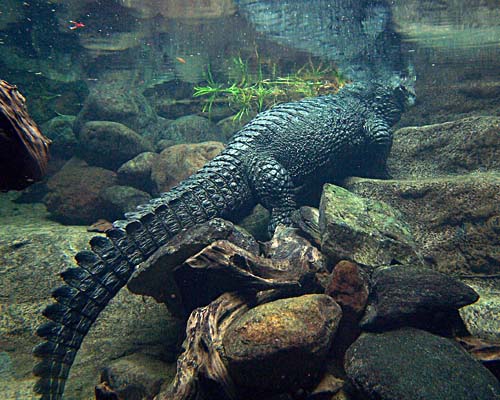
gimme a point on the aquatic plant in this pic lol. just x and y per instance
(247, 92)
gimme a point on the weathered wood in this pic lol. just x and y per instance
(24, 151)
(201, 360)
(486, 351)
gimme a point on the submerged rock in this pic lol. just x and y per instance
(229, 126)
(191, 129)
(137, 171)
(415, 296)
(114, 102)
(411, 364)
(177, 162)
(257, 222)
(451, 148)
(109, 144)
(136, 376)
(74, 193)
(349, 286)
(365, 231)
(60, 131)
(122, 199)
(282, 345)
(482, 318)
(455, 220)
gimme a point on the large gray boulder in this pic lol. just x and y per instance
(455, 219)
(191, 129)
(118, 103)
(451, 148)
(410, 364)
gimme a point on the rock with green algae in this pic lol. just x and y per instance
(191, 129)
(137, 171)
(364, 231)
(33, 251)
(455, 220)
(482, 318)
(281, 345)
(116, 102)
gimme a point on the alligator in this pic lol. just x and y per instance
(281, 153)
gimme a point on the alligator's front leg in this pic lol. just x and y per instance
(379, 135)
(274, 189)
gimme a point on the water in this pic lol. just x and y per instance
(107, 80)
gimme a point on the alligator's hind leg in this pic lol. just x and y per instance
(274, 189)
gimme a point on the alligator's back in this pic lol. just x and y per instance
(304, 136)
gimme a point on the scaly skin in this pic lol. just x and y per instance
(281, 152)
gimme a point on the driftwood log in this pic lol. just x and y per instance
(24, 151)
(250, 280)
(227, 280)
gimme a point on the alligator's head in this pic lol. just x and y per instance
(392, 98)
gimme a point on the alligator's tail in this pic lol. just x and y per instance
(107, 267)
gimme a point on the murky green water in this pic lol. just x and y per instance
(153, 74)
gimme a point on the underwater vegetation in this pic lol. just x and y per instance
(247, 92)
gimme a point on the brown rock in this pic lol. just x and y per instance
(349, 287)
(133, 377)
(74, 192)
(282, 345)
(176, 163)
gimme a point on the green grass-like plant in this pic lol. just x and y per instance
(248, 93)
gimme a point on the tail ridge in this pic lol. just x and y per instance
(88, 288)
